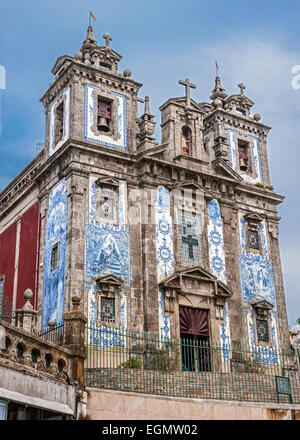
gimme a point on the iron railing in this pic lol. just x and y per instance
(6, 310)
(125, 360)
(54, 334)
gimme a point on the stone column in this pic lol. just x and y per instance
(278, 280)
(135, 229)
(74, 338)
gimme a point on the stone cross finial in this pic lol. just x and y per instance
(108, 38)
(147, 106)
(188, 86)
(243, 88)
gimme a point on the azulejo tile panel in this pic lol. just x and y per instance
(256, 270)
(216, 241)
(164, 250)
(257, 283)
(164, 234)
(218, 266)
(233, 156)
(262, 354)
(89, 114)
(107, 250)
(56, 231)
(52, 147)
(190, 237)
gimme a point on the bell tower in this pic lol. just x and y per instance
(182, 125)
(90, 100)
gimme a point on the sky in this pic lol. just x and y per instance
(254, 42)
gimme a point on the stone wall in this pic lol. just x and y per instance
(113, 405)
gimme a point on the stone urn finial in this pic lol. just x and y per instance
(76, 298)
(27, 296)
(51, 324)
(127, 73)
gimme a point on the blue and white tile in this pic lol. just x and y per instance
(52, 147)
(218, 265)
(107, 250)
(89, 114)
(233, 156)
(257, 283)
(164, 321)
(256, 270)
(164, 250)
(56, 232)
(216, 241)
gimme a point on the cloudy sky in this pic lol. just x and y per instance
(162, 41)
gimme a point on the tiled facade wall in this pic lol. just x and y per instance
(217, 262)
(257, 282)
(56, 233)
(164, 251)
(107, 248)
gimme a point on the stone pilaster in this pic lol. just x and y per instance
(279, 288)
(76, 186)
(150, 289)
(74, 338)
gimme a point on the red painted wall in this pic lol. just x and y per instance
(7, 259)
(28, 258)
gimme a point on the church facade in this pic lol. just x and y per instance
(178, 238)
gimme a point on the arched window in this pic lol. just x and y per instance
(186, 141)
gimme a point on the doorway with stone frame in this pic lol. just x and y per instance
(195, 338)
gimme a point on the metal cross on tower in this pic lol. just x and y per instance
(188, 87)
(108, 38)
(243, 88)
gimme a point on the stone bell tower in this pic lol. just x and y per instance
(91, 130)
(89, 100)
(182, 125)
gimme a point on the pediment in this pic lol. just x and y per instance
(222, 167)
(181, 101)
(241, 100)
(262, 304)
(254, 217)
(197, 272)
(190, 184)
(196, 280)
(110, 279)
(107, 181)
(59, 63)
(154, 151)
(223, 290)
(109, 54)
